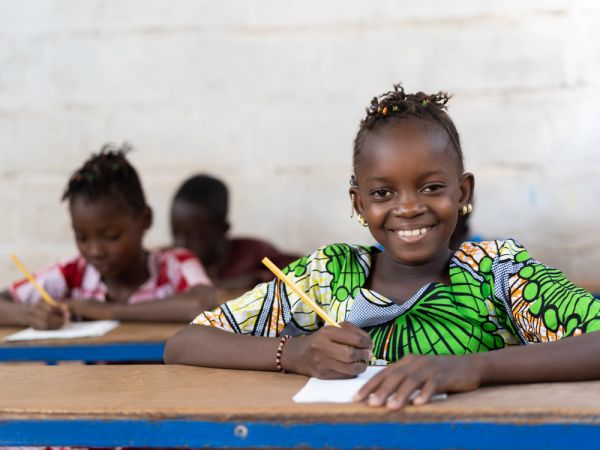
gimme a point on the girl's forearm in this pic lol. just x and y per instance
(12, 313)
(183, 307)
(172, 310)
(570, 359)
(200, 345)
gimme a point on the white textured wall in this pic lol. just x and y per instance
(268, 95)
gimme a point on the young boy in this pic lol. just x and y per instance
(199, 223)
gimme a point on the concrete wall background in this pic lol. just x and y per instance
(268, 95)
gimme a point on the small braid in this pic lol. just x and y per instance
(108, 173)
(397, 105)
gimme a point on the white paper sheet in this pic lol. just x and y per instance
(341, 391)
(71, 331)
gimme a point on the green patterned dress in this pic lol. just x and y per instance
(498, 296)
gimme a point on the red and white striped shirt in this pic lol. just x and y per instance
(171, 271)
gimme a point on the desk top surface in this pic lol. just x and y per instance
(161, 392)
(126, 332)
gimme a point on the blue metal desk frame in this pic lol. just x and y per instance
(189, 433)
(110, 352)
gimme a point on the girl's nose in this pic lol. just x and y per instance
(95, 250)
(408, 205)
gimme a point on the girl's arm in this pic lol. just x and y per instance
(181, 307)
(570, 359)
(12, 313)
(329, 352)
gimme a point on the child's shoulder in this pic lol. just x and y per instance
(341, 250)
(506, 249)
(338, 252)
(172, 253)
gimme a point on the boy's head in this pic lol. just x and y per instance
(199, 216)
(109, 213)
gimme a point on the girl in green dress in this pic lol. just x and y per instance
(444, 320)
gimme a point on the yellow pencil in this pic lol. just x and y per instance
(279, 274)
(32, 280)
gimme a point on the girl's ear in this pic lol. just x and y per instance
(356, 200)
(147, 218)
(467, 184)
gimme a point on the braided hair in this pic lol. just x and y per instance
(396, 106)
(108, 173)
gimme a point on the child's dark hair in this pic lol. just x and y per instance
(108, 173)
(206, 191)
(395, 106)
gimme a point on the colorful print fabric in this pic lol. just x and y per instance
(498, 296)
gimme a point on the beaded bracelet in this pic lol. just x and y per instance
(284, 338)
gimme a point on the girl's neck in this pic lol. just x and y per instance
(135, 276)
(399, 282)
(434, 270)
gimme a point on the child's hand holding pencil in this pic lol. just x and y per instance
(44, 315)
(334, 351)
(329, 353)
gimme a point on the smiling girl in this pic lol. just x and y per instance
(114, 277)
(445, 321)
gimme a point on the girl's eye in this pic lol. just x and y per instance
(112, 237)
(381, 193)
(433, 187)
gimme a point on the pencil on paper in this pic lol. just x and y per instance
(32, 280)
(279, 274)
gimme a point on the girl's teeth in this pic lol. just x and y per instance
(412, 232)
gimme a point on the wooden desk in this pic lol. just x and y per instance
(127, 342)
(162, 406)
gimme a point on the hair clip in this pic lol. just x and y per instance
(384, 110)
(395, 108)
(424, 102)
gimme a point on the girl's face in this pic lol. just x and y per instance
(108, 234)
(410, 190)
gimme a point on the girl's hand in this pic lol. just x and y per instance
(394, 385)
(330, 352)
(91, 309)
(42, 316)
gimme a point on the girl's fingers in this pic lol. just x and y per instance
(427, 391)
(351, 335)
(390, 384)
(369, 387)
(403, 393)
(337, 369)
(66, 314)
(348, 354)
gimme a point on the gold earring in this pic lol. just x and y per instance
(466, 209)
(362, 221)
(352, 205)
